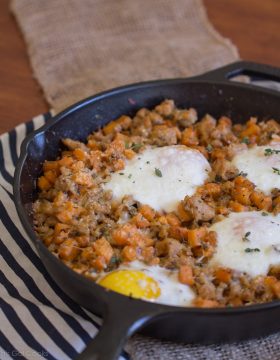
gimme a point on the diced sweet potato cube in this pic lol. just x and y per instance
(261, 201)
(128, 234)
(189, 137)
(68, 250)
(43, 183)
(51, 165)
(242, 195)
(147, 212)
(66, 161)
(99, 263)
(103, 248)
(51, 176)
(178, 232)
(148, 254)
(129, 153)
(173, 220)
(252, 129)
(183, 214)
(235, 206)
(195, 236)
(276, 288)
(119, 165)
(129, 253)
(80, 154)
(211, 189)
(185, 275)
(140, 221)
(223, 275)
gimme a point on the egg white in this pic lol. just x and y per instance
(161, 177)
(257, 231)
(259, 167)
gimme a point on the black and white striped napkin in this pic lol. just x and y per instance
(37, 319)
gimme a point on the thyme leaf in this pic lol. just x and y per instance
(251, 250)
(209, 148)
(114, 260)
(276, 171)
(245, 237)
(158, 172)
(268, 152)
(245, 140)
(242, 174)
(136, 147)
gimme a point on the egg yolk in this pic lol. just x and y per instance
(131, 283)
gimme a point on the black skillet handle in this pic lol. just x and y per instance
(254, 70)
(120, 322)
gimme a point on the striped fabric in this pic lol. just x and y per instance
(37, 319)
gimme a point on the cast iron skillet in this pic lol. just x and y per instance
(209, 93)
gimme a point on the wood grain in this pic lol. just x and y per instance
(253, 25)
(20, 95)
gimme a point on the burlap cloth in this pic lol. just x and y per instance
(78, 48)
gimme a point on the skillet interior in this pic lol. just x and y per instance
(239, 102)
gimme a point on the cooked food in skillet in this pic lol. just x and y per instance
(169, 208)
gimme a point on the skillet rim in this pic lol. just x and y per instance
(108, 295)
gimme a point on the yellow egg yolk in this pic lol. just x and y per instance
(131, 283)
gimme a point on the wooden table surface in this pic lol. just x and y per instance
(253, 25)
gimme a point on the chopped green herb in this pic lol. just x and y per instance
(158, 172)
(129, 176)
(245, 237)
(264, 214)
(147, 162)
(276, 171)
(114, 260)
(268, 152)
(242, 174)
(136, 147)
(245, 140)
(209, 148)
(121, 173)
(127, 146)
(249, 250)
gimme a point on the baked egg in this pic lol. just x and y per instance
(151, 283)
(161, 177)
(262, 166)
(248, 242)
